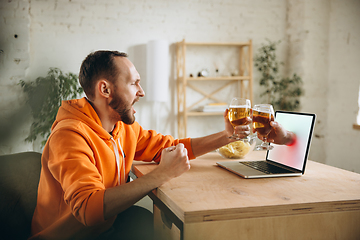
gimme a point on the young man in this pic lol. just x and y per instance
(83, 186)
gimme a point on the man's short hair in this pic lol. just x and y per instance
(98, 65)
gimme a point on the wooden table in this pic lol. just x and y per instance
(209, 202)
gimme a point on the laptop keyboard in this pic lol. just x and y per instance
(265, 167)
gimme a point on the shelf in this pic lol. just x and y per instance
(241, 84)
(225, 78)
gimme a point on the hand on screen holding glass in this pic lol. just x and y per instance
(278, 135)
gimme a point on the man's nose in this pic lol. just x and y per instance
(141, 92)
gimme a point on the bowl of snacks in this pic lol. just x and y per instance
(236, 149)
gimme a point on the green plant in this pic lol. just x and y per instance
(282, 93)
(44, 95)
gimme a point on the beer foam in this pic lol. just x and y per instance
(239, 106)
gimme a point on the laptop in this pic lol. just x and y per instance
(282, 160)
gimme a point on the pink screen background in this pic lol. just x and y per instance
(293, 156)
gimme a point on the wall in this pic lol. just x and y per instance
(307, 35)
(343, 85)
(14, 61)
(318, 42)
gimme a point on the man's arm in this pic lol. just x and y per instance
(174, 162)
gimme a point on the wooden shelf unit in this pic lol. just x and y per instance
(184, 81)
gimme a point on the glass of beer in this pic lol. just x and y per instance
(263, 114)
(239, 114)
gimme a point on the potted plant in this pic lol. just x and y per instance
(282, 93)
(44, 95)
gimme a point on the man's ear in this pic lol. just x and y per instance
(104, 88)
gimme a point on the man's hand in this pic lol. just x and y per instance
(242, 131)
(174, 161)
(278, 135)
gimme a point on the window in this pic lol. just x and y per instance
(357, 124)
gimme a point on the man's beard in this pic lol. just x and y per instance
(123, 113)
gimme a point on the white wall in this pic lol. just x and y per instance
(14, 61)
(307, 36)
(342, 141)
(320, 41)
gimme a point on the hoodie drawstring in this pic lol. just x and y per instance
(117, 157)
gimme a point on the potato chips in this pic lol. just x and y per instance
(236, 149)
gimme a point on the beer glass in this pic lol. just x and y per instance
(263, 114)
(239, 114)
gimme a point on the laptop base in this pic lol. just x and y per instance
(249, 172)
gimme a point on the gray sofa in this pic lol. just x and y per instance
(19, 178)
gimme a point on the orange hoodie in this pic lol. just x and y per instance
(80, 160)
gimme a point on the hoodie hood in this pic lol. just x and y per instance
(81, 110)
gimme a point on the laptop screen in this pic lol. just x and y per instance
(295, 156)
